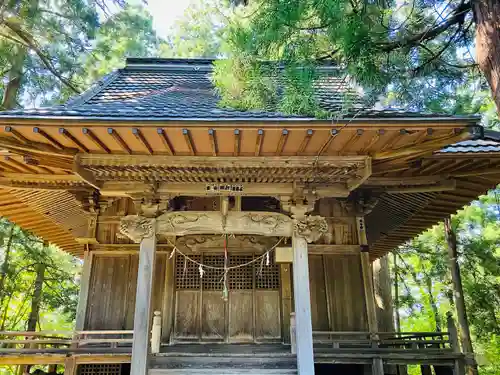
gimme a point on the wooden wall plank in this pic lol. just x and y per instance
(267, 306)
(319, 312)
(345, 293)
(240, 309)
(213, 326)
(186, 314)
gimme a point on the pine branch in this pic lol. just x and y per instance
(457, 18)
(32, 45)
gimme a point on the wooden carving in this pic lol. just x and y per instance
(311, 227)
(199, 242)
(235, 222)
(137, 227)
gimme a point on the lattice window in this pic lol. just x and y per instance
(242, 277)
(213, 279)
(267, 277)
(187, 275)
(100, 369)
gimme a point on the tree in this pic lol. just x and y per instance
(43, 44)
(421, 304)
(395, 48)
(39, 282)
(199, 33)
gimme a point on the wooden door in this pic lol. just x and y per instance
(251, 311)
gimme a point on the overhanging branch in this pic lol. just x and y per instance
(457, 17)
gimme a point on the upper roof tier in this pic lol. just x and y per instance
(152, 89)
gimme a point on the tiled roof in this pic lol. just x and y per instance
(490, 143)
(181, 89)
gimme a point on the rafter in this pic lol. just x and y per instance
(140, 137)
(90, 134)
(119, 140)
(70, 137)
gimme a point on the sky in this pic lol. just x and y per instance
(165, 13)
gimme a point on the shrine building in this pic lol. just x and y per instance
(220, 241)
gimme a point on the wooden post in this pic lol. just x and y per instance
(293, 333)
(156, 333)
(371, 311)
(142, 314)
(286, 300)
(70, 366)
(302, 297)
(81, 309)
(456, 278)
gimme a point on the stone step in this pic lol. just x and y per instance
(221, 362)
(222, 371)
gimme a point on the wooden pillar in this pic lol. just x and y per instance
(302, 296)
(456, 279)
(70, 366)
(366, 270)
(81, 310)
(286, 300)
(143, 297)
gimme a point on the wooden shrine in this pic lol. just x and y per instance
(228, 242)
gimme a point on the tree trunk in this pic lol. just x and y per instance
(487, 17)
(5, 266)
(432, 301)
(456, 278)
(396, 292)
(383, 295)
(37, 297)
(36, 300)
(16, 73)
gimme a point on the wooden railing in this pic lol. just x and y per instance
(385, 340)
(63, 341)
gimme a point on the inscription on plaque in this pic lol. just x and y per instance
(224, 189)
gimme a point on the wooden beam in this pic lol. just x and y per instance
(85, 175)
(189, 141)
(213, 141)
(166, 142)
(305, 141)
(334, 249)
(21, 138)
(21, 166)
(119, 140)
(138, 134)
(81, 310)
(258, 144)
(430, 145)
(51, 140)
(237, 142)
(31, 359)
(302, 298)
(70, 137)
(96, 140)
(282, 142)
(143, 303)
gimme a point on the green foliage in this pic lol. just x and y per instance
(50, 51)
(199, 33)
(414, 54)
(425, 259)
(20, 253)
